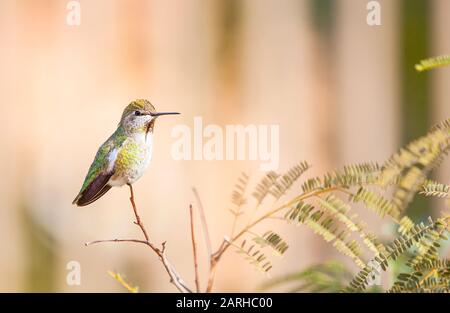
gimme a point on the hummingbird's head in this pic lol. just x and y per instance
(140, 116)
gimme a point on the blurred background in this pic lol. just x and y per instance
(342, 92)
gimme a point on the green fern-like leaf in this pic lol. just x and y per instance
(283, 183)
(435, 189)
(375, 202)
(408, 186)
(349, 248)
(406, 282)
(348, 176)
(432, 63)
(335, 205)
(340, 210)
(398, 247)
(254, 255)
(263, 187)
(427, 248)
(440, 265)
(405, 225)
(312, 184)
(443, 126)
(272, 240)
(323, 211)
(409, 168)
(353, 175)
(324, 225)
(430, 280)
(330, 276)
(423, 151)
(425, 263)
(238, 196)
(277, 185)
(435, 285)
(299, 212)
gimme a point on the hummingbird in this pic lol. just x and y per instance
(124, 157)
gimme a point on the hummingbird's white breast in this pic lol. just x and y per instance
(133, 159)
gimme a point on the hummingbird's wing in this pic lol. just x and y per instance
(95, 190)
(96, 182)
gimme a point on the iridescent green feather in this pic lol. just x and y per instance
(101, 161)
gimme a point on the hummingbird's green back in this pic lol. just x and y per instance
(101, 169)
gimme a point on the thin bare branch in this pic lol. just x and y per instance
(204, 224)
(175, 278)
(138, 219)
(117, 240)
(194, 248)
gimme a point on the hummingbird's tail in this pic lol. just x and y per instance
(81, 201)
(97, 188)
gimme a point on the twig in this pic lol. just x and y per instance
(212, 259)
(175, 278)
(118, 240)
(204, 224)
(138, 219)
(194, 248)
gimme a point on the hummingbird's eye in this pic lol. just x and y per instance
(137, 113)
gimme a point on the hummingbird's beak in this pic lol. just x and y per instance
(163, 113)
